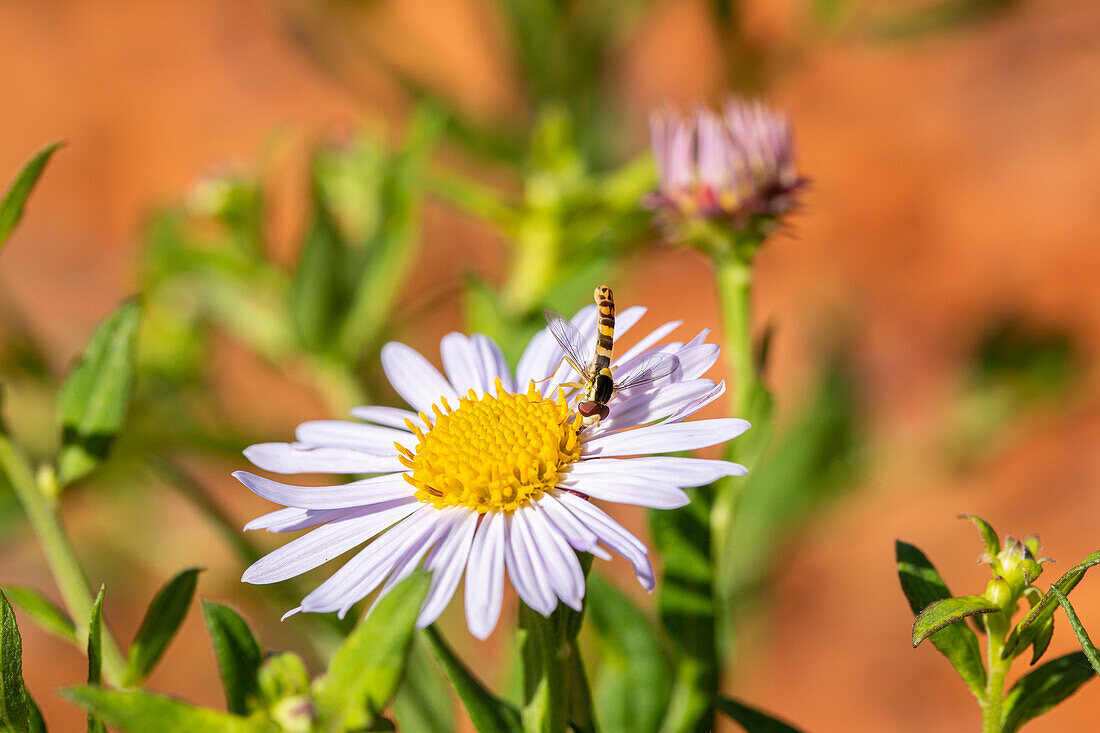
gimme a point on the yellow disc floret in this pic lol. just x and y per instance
(496, 452)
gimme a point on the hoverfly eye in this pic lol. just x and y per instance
(604, 412)
(588, 409)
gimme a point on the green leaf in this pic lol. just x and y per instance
(161, 622)
(751, 719)
(1043, 688)
(364, 672)
(42, 611)
(138, 711)
(317, 294)
(989, 536)
(1030, 627)
(488, 713)
(11, 207)
(942, 613)
(237, 653)
(95, 396)
(423, 702)
(1082, 636)
(282, 675)
(95, 657)
(14, 711)
(922, 586)
(631, 659)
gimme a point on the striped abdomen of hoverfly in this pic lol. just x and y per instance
(602, 384)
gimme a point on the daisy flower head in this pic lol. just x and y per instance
(492, 473)
(732, 165)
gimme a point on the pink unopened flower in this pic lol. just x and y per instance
(732, 165)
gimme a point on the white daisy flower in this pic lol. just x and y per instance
(489, 474)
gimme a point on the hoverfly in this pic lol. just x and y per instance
(598, 383)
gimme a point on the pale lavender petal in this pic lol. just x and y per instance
(462, 364)
(485, 576)
(612, 534)
(625, 361)
(578, 535)
(624, 489)
(665, 438)
(324, 543)
(537, 360)
(697, 404)
(667, 469)
(447, 562)
(298, 458)
(414, 378)
(635, 407)
(357, 493)
(343, 434)
(492, 362)
(562, 566)
(394, 417)
(414, 554)
(373, 562)
(696, 360)
(524, 565)
(293, 519)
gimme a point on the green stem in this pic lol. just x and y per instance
(545, 654)
(59, 553)
(992, 706)
(734, 277)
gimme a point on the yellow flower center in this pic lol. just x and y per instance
(494, 452)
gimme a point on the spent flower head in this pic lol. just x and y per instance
(492, 473)
(735, 168)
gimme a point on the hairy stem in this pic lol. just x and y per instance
(993, 705)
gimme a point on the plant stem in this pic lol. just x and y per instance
(59, 553)
(992, 706)
(734, 278)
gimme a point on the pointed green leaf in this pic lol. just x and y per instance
(1042, 640)
(11, 207)
(317, 295)
(945, 612)
(137, 711)
(488, 713)
(1043, 688)
(14, 711)
(1029, 628)
(35, 722)
(1082, 636)
(96, 394)
(631, 659)
(42, 611)
(751, 719)
(161, 622)
(922, 585)
(364, 672)
(237, 653)
(989, 536)
(95, 657)
(423, 702)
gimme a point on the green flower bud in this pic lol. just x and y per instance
(283, 675)
(294, 714)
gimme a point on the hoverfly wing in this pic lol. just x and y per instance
(651, 368)
(569, 339)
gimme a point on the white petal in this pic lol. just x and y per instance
(697, 404)
(357, 493)
(525, 567)
(664, 438)
(696, 360)
(637, 490)
(293, 519)
(578, 535)
(625, 359)
(628, 318)
(412, 556)
(462, 364)
(537, 359)
(343, 434)
(562, 566)
(485, 576)
(492, 362)
(298, 458)
(668, 469)
(294, 611)
(612, 534)
(414, 378)
(447, 562)
(323, 544)
(391, 416)
(362, 573)
(632, 408)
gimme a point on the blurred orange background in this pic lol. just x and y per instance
(956, 177)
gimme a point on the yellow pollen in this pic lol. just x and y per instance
(494, 452)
